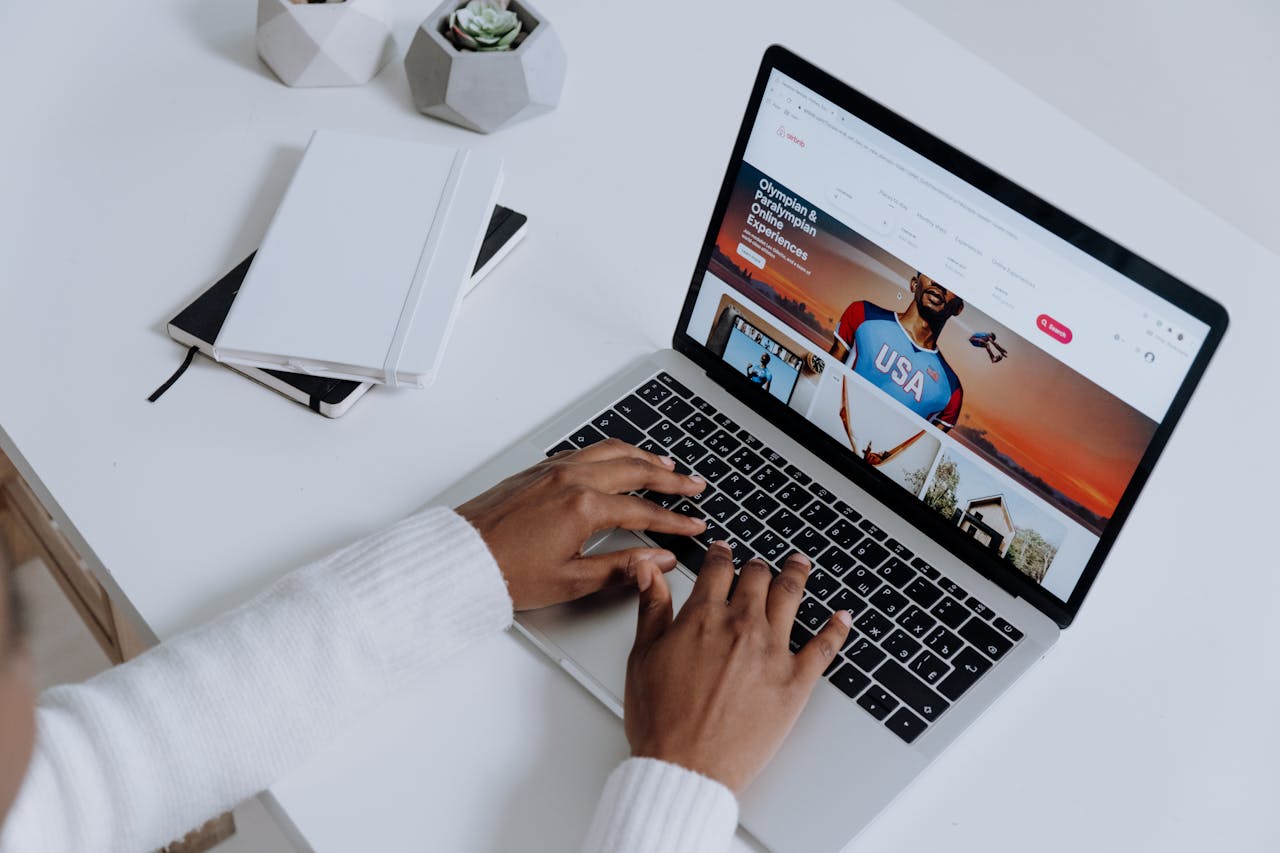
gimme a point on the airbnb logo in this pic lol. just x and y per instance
(789, 136)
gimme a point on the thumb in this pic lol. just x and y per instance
(655, 607)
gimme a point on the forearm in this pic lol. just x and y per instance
(142, 753)
(651, 806)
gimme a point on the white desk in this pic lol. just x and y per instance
(142, 155)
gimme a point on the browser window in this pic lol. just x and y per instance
(1008, 380)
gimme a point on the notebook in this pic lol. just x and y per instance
(361, 271)
(197, 325)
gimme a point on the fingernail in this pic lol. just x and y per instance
(845, 617)
(800, 558)
(697, 478)
(723, 543)
(643, 579)
(670, 462)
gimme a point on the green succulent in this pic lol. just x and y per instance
(484, 25)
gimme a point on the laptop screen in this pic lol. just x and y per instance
(1007, 380)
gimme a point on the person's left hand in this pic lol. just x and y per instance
(537, 522)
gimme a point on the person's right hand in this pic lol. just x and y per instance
(717, 689)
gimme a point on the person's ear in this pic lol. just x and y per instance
(958, 308)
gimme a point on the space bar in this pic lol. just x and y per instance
(688, 550)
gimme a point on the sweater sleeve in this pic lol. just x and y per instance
(651, 806)
(144, 752)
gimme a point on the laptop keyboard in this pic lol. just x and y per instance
(918, 640)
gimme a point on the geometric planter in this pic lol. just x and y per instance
(485, 91)
(324, 44)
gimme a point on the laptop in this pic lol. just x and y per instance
(942, 389)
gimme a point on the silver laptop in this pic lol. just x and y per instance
(942, 389)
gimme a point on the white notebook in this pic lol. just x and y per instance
(363, 267)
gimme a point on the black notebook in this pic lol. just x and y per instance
(198, 324)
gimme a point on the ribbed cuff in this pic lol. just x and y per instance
(650, 805)
(427, 587)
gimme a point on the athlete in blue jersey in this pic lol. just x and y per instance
(761, 375)
(898, 353)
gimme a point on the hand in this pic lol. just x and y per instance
(717, 689)
(536, 522)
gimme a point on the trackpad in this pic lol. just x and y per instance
(596, 633)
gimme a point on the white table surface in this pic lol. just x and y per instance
(141, 155)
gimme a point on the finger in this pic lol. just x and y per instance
(715, 576)
(613, 448)
(619, 568)
(786, 591)
(753, 586)
(632, 513)
(628, 474)
(816, 655)
(655, 609)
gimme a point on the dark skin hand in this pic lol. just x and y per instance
(537, 522)
(717, 689)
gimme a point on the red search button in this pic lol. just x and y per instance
(1054, 329)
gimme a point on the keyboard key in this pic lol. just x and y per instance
(744, 525)
(615, 425)
(771, 548)
(799, 636)
(750, 440)
(722, 444)
(952, 588)
(900, 645)
(586, 436)
(1008, 630)
(773, 457)
(720, 508)
(745, 460)
(877, 702)
(916, 622)
(911, 690)
(687, 451)
(821, 584)
(725, 421)
(896, 572)
(844, 534)
(699, 426)
(871, 530)
(929, 667)
(688, 551)
(978, 607)
(651, 446)
(836, 561)
(874, 625)
(812, 614)
(950, 612)
(847, 511)
(785, 524)
(862, 581)
(637, 411)
(922, 592)
(676, 409)
(849, 680)
(794, 498)
(810, 542)
(846, 600)
(905, 725)
(864, 654)
(736, 486)
(820, 493)
(943, 642)
(702, 405)
(564, 445)
(899, 550)
(799, 476)
(653, 392)
(925, 569)
(985, 638)
(819, 515)
(671, 382)
(712, 468)
(664, 501)
(760, 505)
(869, 552)
(889, 601)
(769, 478)
(665, 433)
(968, 668)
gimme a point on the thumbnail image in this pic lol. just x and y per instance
(910, 335)
(983, 506)
(754, 348)
(898, 446)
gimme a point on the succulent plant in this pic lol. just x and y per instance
(484, 25)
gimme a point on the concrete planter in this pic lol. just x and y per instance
(324, 44)
(485, 91)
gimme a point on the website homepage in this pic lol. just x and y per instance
(1006, 379)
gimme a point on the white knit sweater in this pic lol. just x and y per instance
(141, 754)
